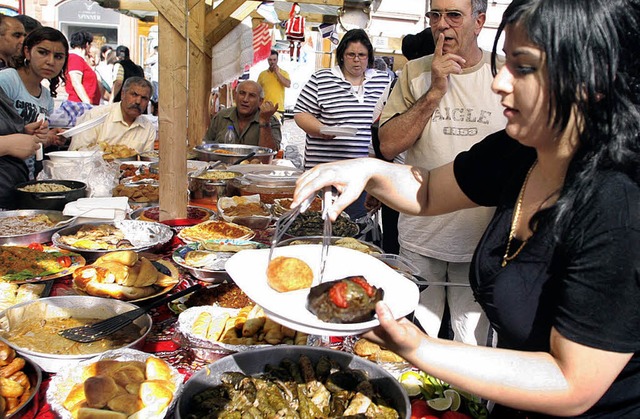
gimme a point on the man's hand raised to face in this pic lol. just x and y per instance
(444, 64)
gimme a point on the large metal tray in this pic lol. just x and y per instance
(43, 236)
(144, 235)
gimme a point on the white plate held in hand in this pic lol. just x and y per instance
(248, 269)
(339, 131)
(84, 126)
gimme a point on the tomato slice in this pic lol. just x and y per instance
(338, 295)
(36, 246)
(364, 284)
(64, 261)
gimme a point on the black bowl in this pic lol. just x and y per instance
(49, 200)
(253, 362)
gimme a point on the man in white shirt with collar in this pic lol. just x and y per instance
(124, 123)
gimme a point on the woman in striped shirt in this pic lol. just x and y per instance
(335, 106)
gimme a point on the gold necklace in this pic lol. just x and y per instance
(514, 222)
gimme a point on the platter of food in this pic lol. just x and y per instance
(210, 329)
(95, 239)
(92, 388)
(20, 264)
(28, 226)
(249, 270)
(125, 275)
(31, 329)
(12, 294)
(246, 210)
(205, 260)
(21, 387)
(214, 229)
(310, 223)
(348, 242)
(226, 294)
(194, 213)
(318, 365)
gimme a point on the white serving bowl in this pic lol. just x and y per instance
(69, 306)
(71, 156)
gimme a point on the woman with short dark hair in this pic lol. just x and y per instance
(341, 97)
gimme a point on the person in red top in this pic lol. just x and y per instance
(82, 82)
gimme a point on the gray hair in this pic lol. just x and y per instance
(477, 6)
(260, 89)
(137, 81)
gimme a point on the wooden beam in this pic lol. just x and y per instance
(338, 3)
(221, 20)
(172, 100)
(174, 15)
(143, 5)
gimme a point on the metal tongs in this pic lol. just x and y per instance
(327, 228)
(285, 221)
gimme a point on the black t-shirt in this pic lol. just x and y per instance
(586, 285)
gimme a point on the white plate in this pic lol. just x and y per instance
(339, 131)
(248, 269)
(84, 126)
(73, 156)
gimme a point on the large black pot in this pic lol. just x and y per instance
(254, 362)
(49, 200)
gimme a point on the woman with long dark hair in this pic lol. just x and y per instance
(557, 270)
(44, 57)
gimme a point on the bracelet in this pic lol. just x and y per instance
(265, 125)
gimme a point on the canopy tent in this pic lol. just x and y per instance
(188, 29)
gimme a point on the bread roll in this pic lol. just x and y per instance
(125, 257)
(89, 413)
(129, 373)
(75, 396)
(144, 273)
(86, 274)
(288, 274)
(99, 390)
(156, 395)
(125, 403)
(118, 291)
(103, 367)
(217, 327)
(120, 272)
(201, 324)
(157, 369)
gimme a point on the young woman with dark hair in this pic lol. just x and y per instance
(557, 268)
(44, 57)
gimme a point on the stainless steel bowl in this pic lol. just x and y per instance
(230, 153)
(143, 235)
(43, 236)
(68, 306)
(200, 187)
(254, 362)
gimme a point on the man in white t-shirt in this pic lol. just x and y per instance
(441, 105)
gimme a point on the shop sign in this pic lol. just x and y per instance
(87, 11)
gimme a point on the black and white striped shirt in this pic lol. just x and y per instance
(332, 99)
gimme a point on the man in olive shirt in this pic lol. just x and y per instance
(11, 36)
(252, 119)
